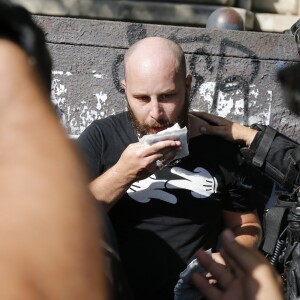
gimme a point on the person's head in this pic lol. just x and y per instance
(17, 25)
(225, 18)
(156, 85)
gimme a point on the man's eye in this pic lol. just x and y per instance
(143, 98)
(166, 96)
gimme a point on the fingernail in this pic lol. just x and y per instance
(203, 129)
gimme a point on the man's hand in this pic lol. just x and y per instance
(217, 257)
(226, 129)
(139, 161)
(251, 276)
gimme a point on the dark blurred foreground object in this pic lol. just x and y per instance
(17, 25)
(225, 18)
(282, 238)
(282, 242)
(290, 79)
(290, 76)
(295, 31)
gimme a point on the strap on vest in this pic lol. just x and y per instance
(264, 146)
(295, 155)
(273, 221)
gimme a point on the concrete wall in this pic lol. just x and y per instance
(266, 16)
(234, 73)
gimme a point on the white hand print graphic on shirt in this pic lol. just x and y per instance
(200, 182)
(143, 190)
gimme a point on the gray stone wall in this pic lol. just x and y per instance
(267, 15)
(234, 73)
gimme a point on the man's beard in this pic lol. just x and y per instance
(143, 129)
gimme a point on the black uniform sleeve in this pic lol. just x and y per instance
(242, 187)
(249, 190)
(275, 155)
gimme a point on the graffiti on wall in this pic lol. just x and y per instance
(221, 84)
(75, 118)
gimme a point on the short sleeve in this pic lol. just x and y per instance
(90, 146)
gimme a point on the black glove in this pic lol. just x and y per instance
(17, 25)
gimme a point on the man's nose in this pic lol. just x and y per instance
(156, 109)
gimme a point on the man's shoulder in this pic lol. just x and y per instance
(215, 149)
(109, 124)
(120, 119)
(110, 130)
(214, 143)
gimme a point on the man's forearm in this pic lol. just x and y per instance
(248, 235)
(109, 187)
(136, 162)
(245, 226)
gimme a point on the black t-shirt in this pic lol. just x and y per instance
(164, 219)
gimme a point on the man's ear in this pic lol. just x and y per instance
(123, 83)
(188, 83)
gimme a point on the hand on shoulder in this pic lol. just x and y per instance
(215, 125)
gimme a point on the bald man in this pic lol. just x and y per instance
(162, 216)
